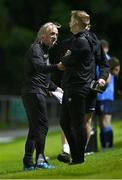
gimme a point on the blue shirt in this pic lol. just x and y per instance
(108, 94)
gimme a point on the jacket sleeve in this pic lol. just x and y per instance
(52, 86)
(36, 57)
(102, 63)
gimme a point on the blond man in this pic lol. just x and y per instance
(81, 54)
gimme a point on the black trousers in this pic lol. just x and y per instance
(35, 106)
(73, 124)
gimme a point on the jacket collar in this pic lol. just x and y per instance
(81, 33)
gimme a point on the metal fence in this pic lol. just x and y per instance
(12, 110)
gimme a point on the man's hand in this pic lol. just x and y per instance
(101, 82)
(50, 93)
(60, 66)
(68, 52)
(59, 90)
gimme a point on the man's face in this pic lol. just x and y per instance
(116, 71)
(106, 50)
(50, 37)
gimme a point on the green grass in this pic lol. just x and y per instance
(100, 165)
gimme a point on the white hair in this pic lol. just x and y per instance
(43, 29)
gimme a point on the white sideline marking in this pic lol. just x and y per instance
(6, 139)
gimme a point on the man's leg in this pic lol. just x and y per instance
(90, 109)
(88, 125)
(106, 131)
(74, 127)
(65, 124)
(65, 155)
(30, 142)
(41, 132)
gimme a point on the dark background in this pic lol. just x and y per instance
(21, 19)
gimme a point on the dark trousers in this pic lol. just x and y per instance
(73, 125)
(35, 106)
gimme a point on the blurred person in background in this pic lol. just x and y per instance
(36, 87)
(105, 45)
(80, 62)
(104, 106)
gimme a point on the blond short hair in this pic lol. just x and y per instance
(43, 29)
(82, 17)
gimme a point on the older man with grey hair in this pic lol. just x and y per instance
(35, 88)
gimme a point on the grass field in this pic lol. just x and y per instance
(100, 165)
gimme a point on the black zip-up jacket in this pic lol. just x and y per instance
(37, 69)
(80, 65)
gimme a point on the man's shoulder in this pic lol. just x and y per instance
(66, 41)
(33, 50)
(37, 48)
(93, 35)
(35, 45)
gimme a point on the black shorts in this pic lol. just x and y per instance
(91, 102)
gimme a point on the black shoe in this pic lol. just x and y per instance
(64, 157)
(76, 162)
(28, 164)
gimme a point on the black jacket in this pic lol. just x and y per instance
(80, 65)
(37, 69)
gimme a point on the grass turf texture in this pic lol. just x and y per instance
(100, 165)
